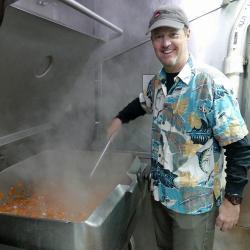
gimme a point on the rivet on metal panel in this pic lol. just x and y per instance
(44, 66)
(42, 3)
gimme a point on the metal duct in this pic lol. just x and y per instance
(235, 59)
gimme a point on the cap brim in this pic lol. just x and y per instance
(165, 23)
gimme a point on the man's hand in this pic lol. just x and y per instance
(228, 216)
(114, 127)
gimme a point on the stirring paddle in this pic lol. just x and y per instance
(101, 155)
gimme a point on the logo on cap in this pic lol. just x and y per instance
(157, 14)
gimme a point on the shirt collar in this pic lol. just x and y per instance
(187, 71)
(185, 74)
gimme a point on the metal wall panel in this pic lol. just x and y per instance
(28, 44)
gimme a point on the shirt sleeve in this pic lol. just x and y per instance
(139, 106)
(229, 126)
(131, 111)
(238, 162)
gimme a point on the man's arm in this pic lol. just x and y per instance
(238, 162)
(129, 113)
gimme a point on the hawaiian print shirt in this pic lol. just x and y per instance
(190, 125)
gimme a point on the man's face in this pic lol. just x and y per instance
(171, 47)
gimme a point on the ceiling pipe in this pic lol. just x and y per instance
(235, 60)
(77, 6)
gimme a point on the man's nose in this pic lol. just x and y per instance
(166, 41)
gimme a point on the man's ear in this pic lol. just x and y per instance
(188, 32)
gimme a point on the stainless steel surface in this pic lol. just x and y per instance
(74, 4)
(59, 13)
(28, 101)
(70, 14)
(4, 140)
(108, 227)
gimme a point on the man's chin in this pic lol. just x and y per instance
(169, 64)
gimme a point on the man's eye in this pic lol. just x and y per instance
(175, 34)
(159, 36)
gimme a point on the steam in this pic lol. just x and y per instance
(62, 176)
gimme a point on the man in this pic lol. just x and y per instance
(195, 118)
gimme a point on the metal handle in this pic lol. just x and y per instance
(74, 4)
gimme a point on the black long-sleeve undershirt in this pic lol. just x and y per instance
(131, 111)
(238, 162)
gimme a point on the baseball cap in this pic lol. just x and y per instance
(169, 16)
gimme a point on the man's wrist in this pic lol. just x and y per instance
(235, 199)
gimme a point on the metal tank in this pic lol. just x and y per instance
(109, 200)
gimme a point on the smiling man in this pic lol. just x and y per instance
(195, 120)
